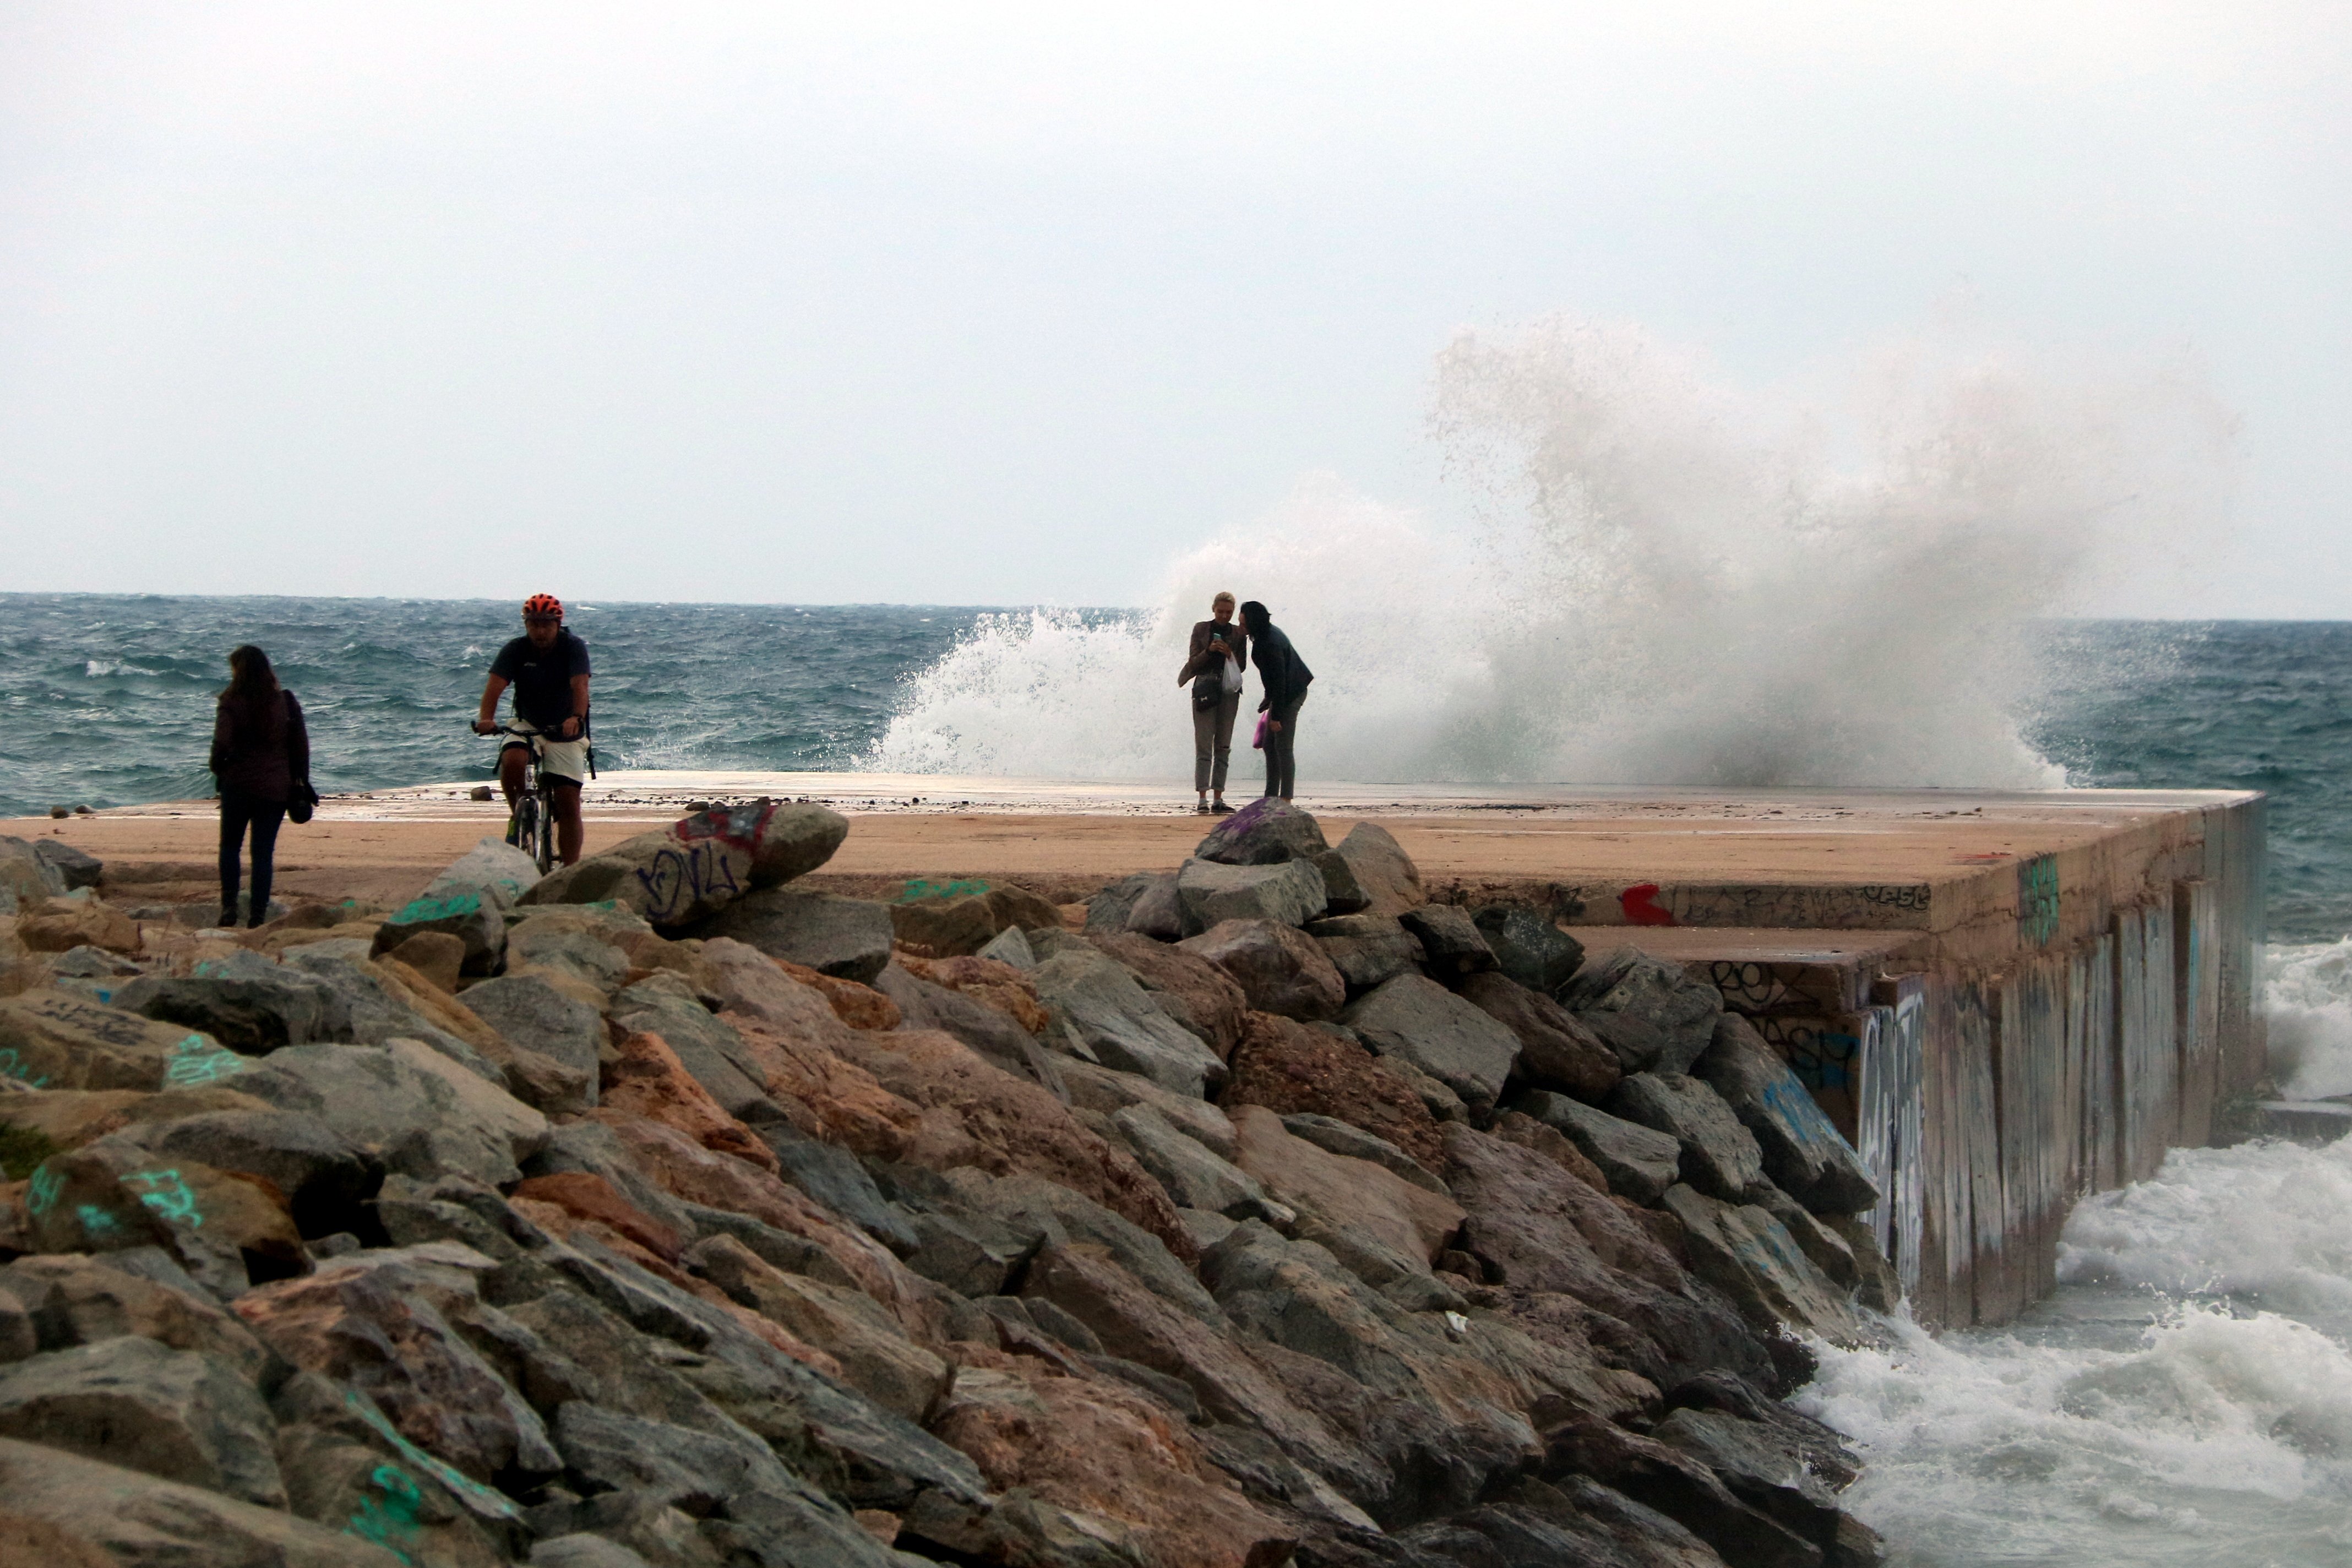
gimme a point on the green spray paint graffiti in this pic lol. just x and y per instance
(197, 1060)
(14, 1066)
(392, 1520)
(169, 1195)
(455, 1480)
(42, 1193)
(2037, 900)
(418, 911)
(921, 888)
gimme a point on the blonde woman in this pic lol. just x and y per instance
(1213, 669)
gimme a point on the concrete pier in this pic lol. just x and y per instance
(2005, 1000)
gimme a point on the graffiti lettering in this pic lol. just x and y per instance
(2037, 900)
(197, 1060)
(168, 1194)
(1746, 987)
(112, 1027)
(14, 1066)
(1908, 896)
(1821, 1057)
(392, 1520)
(678, 879)
(95, 1221)
(42, 1193)
(1642, 908)
(455, 1480)
(738, 826)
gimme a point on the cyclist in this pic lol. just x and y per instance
(547, 667)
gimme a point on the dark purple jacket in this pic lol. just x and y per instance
(254, 757)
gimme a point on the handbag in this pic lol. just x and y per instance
(1258, 740)
(301, 802)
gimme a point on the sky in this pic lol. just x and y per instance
(1014, 304)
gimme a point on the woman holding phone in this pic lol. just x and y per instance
(1213, 669)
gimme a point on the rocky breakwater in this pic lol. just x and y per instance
(661, 1213)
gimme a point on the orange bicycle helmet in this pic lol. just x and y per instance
(543, 605)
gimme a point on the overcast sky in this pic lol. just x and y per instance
(997, 304)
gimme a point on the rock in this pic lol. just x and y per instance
(1136, 1325)
(248, 1003)
(372, 1321)
(1092, 1447)
(1382, 869)
(1290, 892)
(384, 1008)
(1100, 1009)
(427, 1116)
(1515, 1127)
(1336, 1137)
(1653, 1015)
(1556, 1051)
(749, 982)
(585, 1195)
(75, 868)
(1145, 904)
(646, 1079)
(1760, 1467)
(1278, 967)
(1750, 1256)
(1831, 1252)
(836, 1178)
(993, 1034)
(110, 1194)
(26, 876)
(1679, 1486)
(1415, 1018)
(1344, 1195)
(439, 957)
(1802, 1151)
(60, 925)
(1719, 1156)
(604, 1451)
(858, 1006)
(1288, 1069)
(139, 1519)
(1449, 938)
(469, 900)
(993, 983)
(943, 927)
(177, 1414)
(54, 1039)
(1366, 949)
(547, 946)
(1194, 1177)
(590, 1148)
(529, 1012)
(703, 864)
(1265, 832)
(875, 1356)
(93, 963)
(1010, 946)
(1342, 894)
(712, 1050)
(327, 1178)
(1108, 1092)
(1528, 948)
(1639, 1162)
(978, 1116)
(1876, 1288)
(1189, 988)
(849, 938)
(76, 1299)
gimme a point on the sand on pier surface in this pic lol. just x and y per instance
(384, 847)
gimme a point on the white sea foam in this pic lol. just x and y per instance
(2309, 990)
(1660, 581)
(2186, 1397)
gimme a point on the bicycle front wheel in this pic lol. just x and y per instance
(527, 829)
(544, 850)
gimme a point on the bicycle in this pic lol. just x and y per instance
(533, 829)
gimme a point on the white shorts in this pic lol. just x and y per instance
(557, 759)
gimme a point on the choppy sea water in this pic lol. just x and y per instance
(2185, 1398)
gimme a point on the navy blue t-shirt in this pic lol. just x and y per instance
(542, 680)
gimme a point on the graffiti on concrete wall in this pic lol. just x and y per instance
(2037, 900)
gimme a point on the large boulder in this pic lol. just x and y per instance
(112, 1195)
(1292, 1068)
(76, 1298)
(700, 865)
(944, 925)
(1416, 1019)
(327, 1178)
(1381, 869)
(1450, 940)
(56, 1039)
(427, 1116)
(848, 938)
(1652, 1014)
(1342, 1198)
(1556, 1051)
(1266, 832)
(1145, 904)
(1334, 1136)
(1278, 967)
(1804, 1152)
(141, 1519)
(246, 1002)
(1718, 1156)
(1194, 1177)
(529, 1012)
(177, 1414)
(75, 868)
(1368, 949)
(60, 925)
(469, 901)
(1743, 1251)
(1189, 988)
(713, 1051)
(1099, 1010)
(1290, 892)
(1639, 1163)
(1529, 948)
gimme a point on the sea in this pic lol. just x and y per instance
(2186, 1397)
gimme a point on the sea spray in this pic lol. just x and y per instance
(1663, 580)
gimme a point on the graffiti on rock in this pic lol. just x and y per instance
(169, 1195)
(14, 1066)
(198, 1060)
(452, 906)
(922, 888)
(676, 881)
(392, 1519)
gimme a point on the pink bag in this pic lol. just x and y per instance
(1258, 740)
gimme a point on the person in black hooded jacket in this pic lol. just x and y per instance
(1285, 677)
(261, 750)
